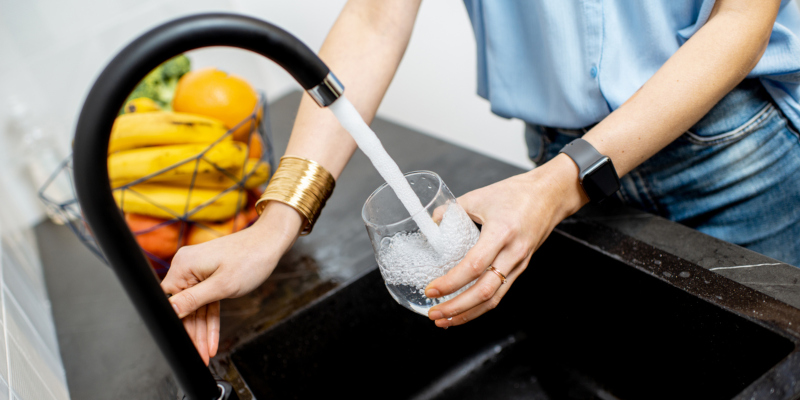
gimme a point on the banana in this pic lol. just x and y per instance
(177, 161)
(164, 201)
(257, 171)
(141, 104)
(155, 128)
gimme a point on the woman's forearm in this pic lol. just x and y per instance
(363, 49)
(710, 64)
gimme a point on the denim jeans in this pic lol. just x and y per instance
(735, 175)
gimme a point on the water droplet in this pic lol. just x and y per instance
(684, 274)
(667, 274)
(657, 262)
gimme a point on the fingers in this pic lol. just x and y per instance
(190, 324)
(438, 213)
(483, 291)
(190, 299)
(454, 315)
(203, 329)
(476, 261)
(201, 333)
(469, 202)
(474, 312)
(188, 267)
(212, 319)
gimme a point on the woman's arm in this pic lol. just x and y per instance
(363, 49)
(709, 65)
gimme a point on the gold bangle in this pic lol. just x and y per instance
(301, 184)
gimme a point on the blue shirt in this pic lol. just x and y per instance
(568, 64)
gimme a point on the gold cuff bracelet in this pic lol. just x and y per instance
(301, 184)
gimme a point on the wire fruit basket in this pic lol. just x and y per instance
(178, 219)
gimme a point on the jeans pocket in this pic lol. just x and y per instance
(537, 143)
(758, 120)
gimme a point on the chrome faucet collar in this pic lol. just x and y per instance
(327, 91)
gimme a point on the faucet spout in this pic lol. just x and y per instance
(100, 108)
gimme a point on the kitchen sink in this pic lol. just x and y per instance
(614, 319)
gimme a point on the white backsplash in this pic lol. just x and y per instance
(30, 362)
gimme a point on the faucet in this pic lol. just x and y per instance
(90, 167)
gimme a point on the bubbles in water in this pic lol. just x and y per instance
(408, 259)
(667, 274)
(684, 274)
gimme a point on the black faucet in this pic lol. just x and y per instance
(97, 116)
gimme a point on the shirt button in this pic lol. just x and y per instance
(593, 71)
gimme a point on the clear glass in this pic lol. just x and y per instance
(407, 261)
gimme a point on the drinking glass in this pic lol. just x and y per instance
(408, 263)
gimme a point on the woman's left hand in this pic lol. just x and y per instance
(517, 215)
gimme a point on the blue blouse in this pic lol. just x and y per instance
(568, 64)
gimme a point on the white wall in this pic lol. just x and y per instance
(434, 89)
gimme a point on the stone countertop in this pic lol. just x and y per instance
(108, 353)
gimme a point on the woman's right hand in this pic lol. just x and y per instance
(230, 266)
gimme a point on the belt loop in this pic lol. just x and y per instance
(551, 133)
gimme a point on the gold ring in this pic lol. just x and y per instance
(498, 273)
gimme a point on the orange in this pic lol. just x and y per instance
(214, 93)
(159, 240)
(256, 145)
(252, 198)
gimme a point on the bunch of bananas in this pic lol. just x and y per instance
(169, 167)
(168, 164)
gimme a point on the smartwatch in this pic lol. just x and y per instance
(598, 177)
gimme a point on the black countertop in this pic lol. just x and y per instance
(108, 353)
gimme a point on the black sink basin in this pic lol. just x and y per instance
(583, 322)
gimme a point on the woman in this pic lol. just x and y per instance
(694, 102)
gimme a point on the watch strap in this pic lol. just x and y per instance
(582, 153)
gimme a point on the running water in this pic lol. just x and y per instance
(371, 146)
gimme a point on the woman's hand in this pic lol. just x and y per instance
(517, 215)
(230, 266)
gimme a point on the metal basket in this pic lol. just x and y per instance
(69, 212)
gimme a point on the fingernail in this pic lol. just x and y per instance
(432, 293)
(175, 307)
(434, 315)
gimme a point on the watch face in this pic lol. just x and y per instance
(601, 181)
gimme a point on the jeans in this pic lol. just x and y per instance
(735, 175)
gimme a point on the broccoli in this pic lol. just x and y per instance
(160, 83)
